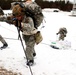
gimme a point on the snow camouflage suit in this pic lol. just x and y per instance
(29, 25)
(62, 32)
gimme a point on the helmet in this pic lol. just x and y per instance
(18, 9)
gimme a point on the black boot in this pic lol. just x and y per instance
(34, 54)
(30, 62)
(4, 46)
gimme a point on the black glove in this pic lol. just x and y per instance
(56, 33)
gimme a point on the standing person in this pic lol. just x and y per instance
(62, 31)
(28, 33)
(28, 23)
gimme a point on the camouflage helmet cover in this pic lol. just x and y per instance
(18, 9)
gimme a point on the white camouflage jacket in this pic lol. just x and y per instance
(28, 26)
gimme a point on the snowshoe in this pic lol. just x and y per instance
(30, 62)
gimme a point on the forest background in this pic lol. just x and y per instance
(60, 4)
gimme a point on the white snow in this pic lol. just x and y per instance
(48, 61)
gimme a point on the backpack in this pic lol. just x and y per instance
(34, 10)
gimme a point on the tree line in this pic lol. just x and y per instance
(62, 5)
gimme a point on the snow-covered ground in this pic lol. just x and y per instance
(48, 61)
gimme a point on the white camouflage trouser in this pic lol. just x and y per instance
(30, 43)
(2, 40)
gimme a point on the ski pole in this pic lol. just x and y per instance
(24, 48)
(10, 38)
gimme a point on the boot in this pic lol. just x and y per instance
(4, 46)
(30, 62)
(34, 54)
